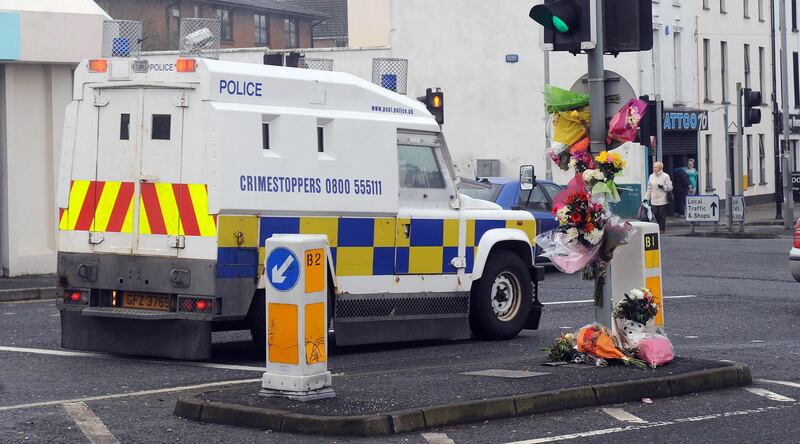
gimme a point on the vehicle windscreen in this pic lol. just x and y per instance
(476, 192)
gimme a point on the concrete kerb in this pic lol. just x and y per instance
(416, 419)
(27, 294)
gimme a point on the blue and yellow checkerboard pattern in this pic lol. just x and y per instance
(359, 246)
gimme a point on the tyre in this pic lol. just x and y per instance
(257, 320)
(500, 300)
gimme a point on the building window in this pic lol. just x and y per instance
(796, 82)
(261, 24)
(709, 180)
(722, 8)
(290, 29)
(762, 161)
(225, 24)
(746, 7)
(705, 5)
(794, 15)
(760, 10)
(706, 69)
(746, 65)
(723, 49)
(676, 65)
(749, 159)
(761, 72)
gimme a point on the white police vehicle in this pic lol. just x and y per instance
(172, 176)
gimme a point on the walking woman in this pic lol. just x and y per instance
(659, 186)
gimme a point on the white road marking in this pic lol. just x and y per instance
(43, 351)
(182, 388)
(651, 425)
(90, 424)
(691, 337)
(584, 301)
(622, 415)
(437, 438)
(768, 394)
(786, 383)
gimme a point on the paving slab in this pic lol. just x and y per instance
(30, 287)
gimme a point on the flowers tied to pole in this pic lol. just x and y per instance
(580, 219)
(607, 165)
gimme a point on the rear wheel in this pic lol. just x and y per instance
(501, 300)
(257, 320)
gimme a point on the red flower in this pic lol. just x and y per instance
(589, 227)
(576, 217)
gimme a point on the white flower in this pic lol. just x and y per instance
(572, 233)
(561, 214)
(636, 294)
(590, 175)
(594, 237)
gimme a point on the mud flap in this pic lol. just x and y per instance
(535, 315)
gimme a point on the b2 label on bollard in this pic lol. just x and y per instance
(283, 269)
(315, 270)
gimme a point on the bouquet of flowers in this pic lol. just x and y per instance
(624, 123)
(580, 159)
(601, 179)
(580, 219)
(597, 341)
(560, 154)
(632, 313)
(563, 350)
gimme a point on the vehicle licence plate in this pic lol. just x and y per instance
(145, 301)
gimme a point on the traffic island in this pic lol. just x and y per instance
(401, 401)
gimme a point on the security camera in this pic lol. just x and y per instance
(199, 38)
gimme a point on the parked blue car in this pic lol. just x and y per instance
(506, 193)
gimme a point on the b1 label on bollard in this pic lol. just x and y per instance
(297, 321)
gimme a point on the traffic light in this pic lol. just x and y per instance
(434, 101)
(569, 25)
(561, 16)
(751, 100)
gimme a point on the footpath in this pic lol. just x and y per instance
(28, 288)
(455, 392)
(760, 223)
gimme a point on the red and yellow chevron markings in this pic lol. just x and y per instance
(99, 206)
(164, 208)
(175, 209)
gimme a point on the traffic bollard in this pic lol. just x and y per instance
(297, 318)
(636, 264)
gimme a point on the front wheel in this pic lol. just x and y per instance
(500, 301)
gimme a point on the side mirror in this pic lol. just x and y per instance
(527, 178)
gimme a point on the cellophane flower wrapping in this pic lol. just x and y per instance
(655, 350)
(607, 165)
(570, 127)
(624, 123)
(559, 99)
(576, 241)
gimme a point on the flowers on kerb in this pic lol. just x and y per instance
(637, 305)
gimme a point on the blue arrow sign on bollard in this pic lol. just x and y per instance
(283, 269)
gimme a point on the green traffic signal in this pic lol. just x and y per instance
(560, 25)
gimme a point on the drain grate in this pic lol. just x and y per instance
(513, 374)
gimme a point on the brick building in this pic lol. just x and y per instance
(332, 32)
(244, 23)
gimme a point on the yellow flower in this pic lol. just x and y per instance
(601, 157)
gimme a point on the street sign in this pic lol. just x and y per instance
(702, 208)
(796, 185)
(283, 269)
(738, 208)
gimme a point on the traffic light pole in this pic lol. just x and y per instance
(597, 90)
(738, 176)
(788, 205)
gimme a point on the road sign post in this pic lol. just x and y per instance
(295, 273)
(738, 210)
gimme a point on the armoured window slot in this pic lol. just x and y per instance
(161, 127)
(124, 126)
(265, 136)
(320, 139)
